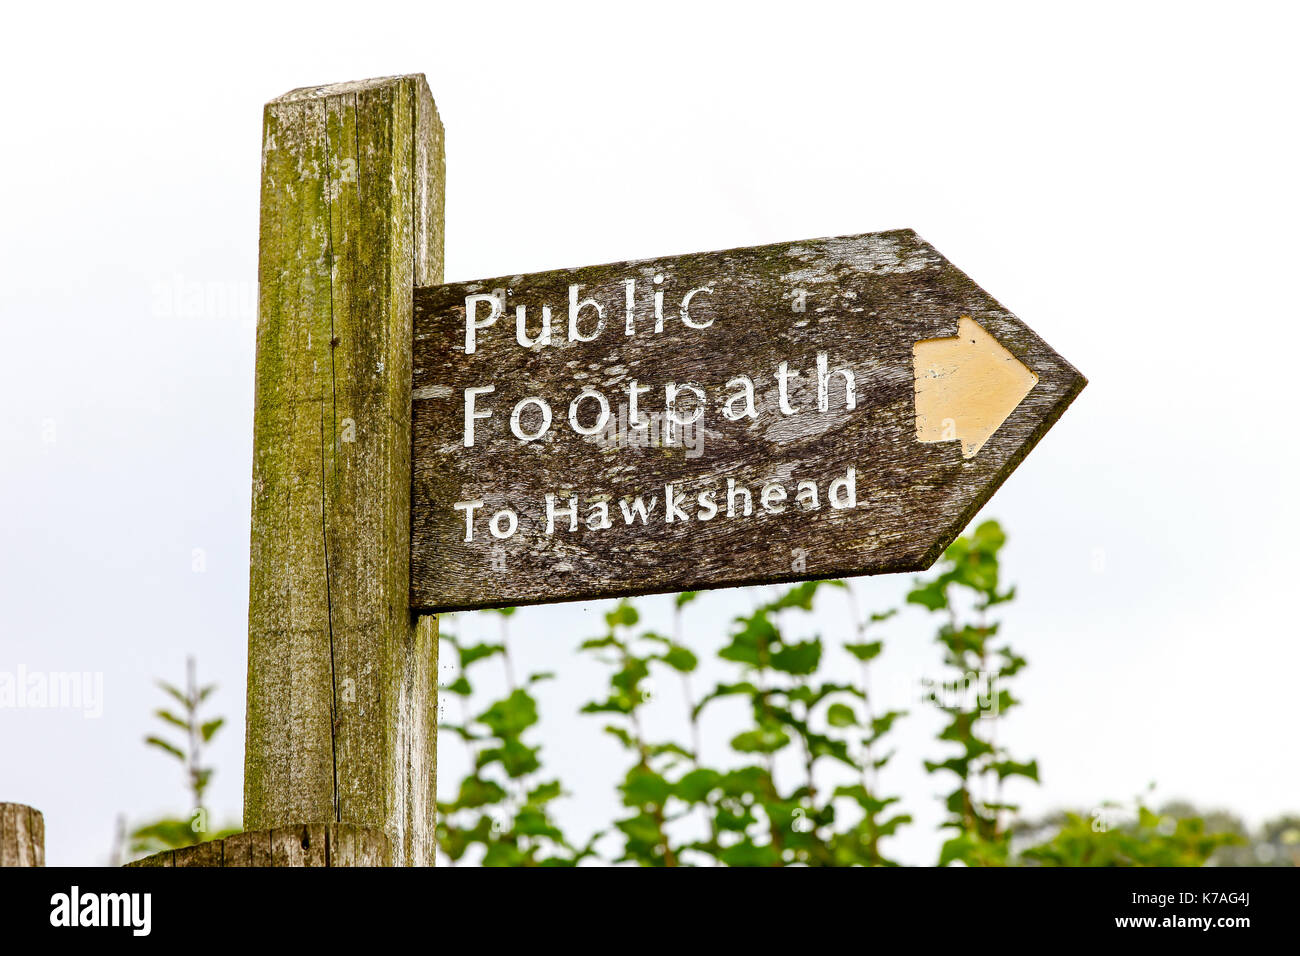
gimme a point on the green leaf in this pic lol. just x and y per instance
(617, 703)
(643, 787)
(531, 821)
(696, 786)
(1010, 768)
(745, 780)
(516, 758)
(501, 853)
(624, 615)
(478, 652)
(680, 659)
(811, 696)
(164, 745)
(623, 736)
(841, 715)
(172, 719)
(641, 829)
(726, 690)
(670, 748)
(749, 645)
(798, 659)
(865, 652)
(176, 693)
(748, 854)
(209, 728)
(933, 595)
(801, 595)
(545, 792)
(478, 792)
(819, 745)
(461, 732)
(1013, 663)
(882, 724)
(510, 716)
(628, 678)
(686, 597)
(766, 739)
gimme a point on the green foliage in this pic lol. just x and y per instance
(804, 705)
(974, 696)
(196, 732)
(503, 805)
(1148, 838)
(684, 811)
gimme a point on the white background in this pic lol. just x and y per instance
(1121, 176)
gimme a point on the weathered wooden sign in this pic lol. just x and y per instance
(803, 410)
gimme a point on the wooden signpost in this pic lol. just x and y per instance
(342, 680)
(804, 410)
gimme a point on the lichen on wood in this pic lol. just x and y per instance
(342, 695)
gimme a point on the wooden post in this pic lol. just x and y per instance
(22, 835)
(307, 845)
(342, 680)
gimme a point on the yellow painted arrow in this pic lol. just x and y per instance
(966, 387)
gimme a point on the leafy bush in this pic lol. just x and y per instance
(680, 810)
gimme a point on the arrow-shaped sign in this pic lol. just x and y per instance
(966, 386)
(804, 410)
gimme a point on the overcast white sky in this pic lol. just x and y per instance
(1121, 176)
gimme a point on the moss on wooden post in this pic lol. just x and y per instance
(342, 691)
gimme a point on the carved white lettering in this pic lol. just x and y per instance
(553, 512)
(673, 502)
(473, 323)
(806, 496)
(843, 492)
(517, 418)
(772, 496)
(588, 393)
(638, 510)
(732, 491)
(783, 376)
(824, 382)
(746, 394)
(469, 508)
(598, 516)
(575, 310)
(511, 523)
(471, 414)
(707, 506)
(686, 309)
(521, 328)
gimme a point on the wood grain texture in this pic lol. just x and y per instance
(310, 845)
(342, 696)
(22, 835)
(863, 302)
